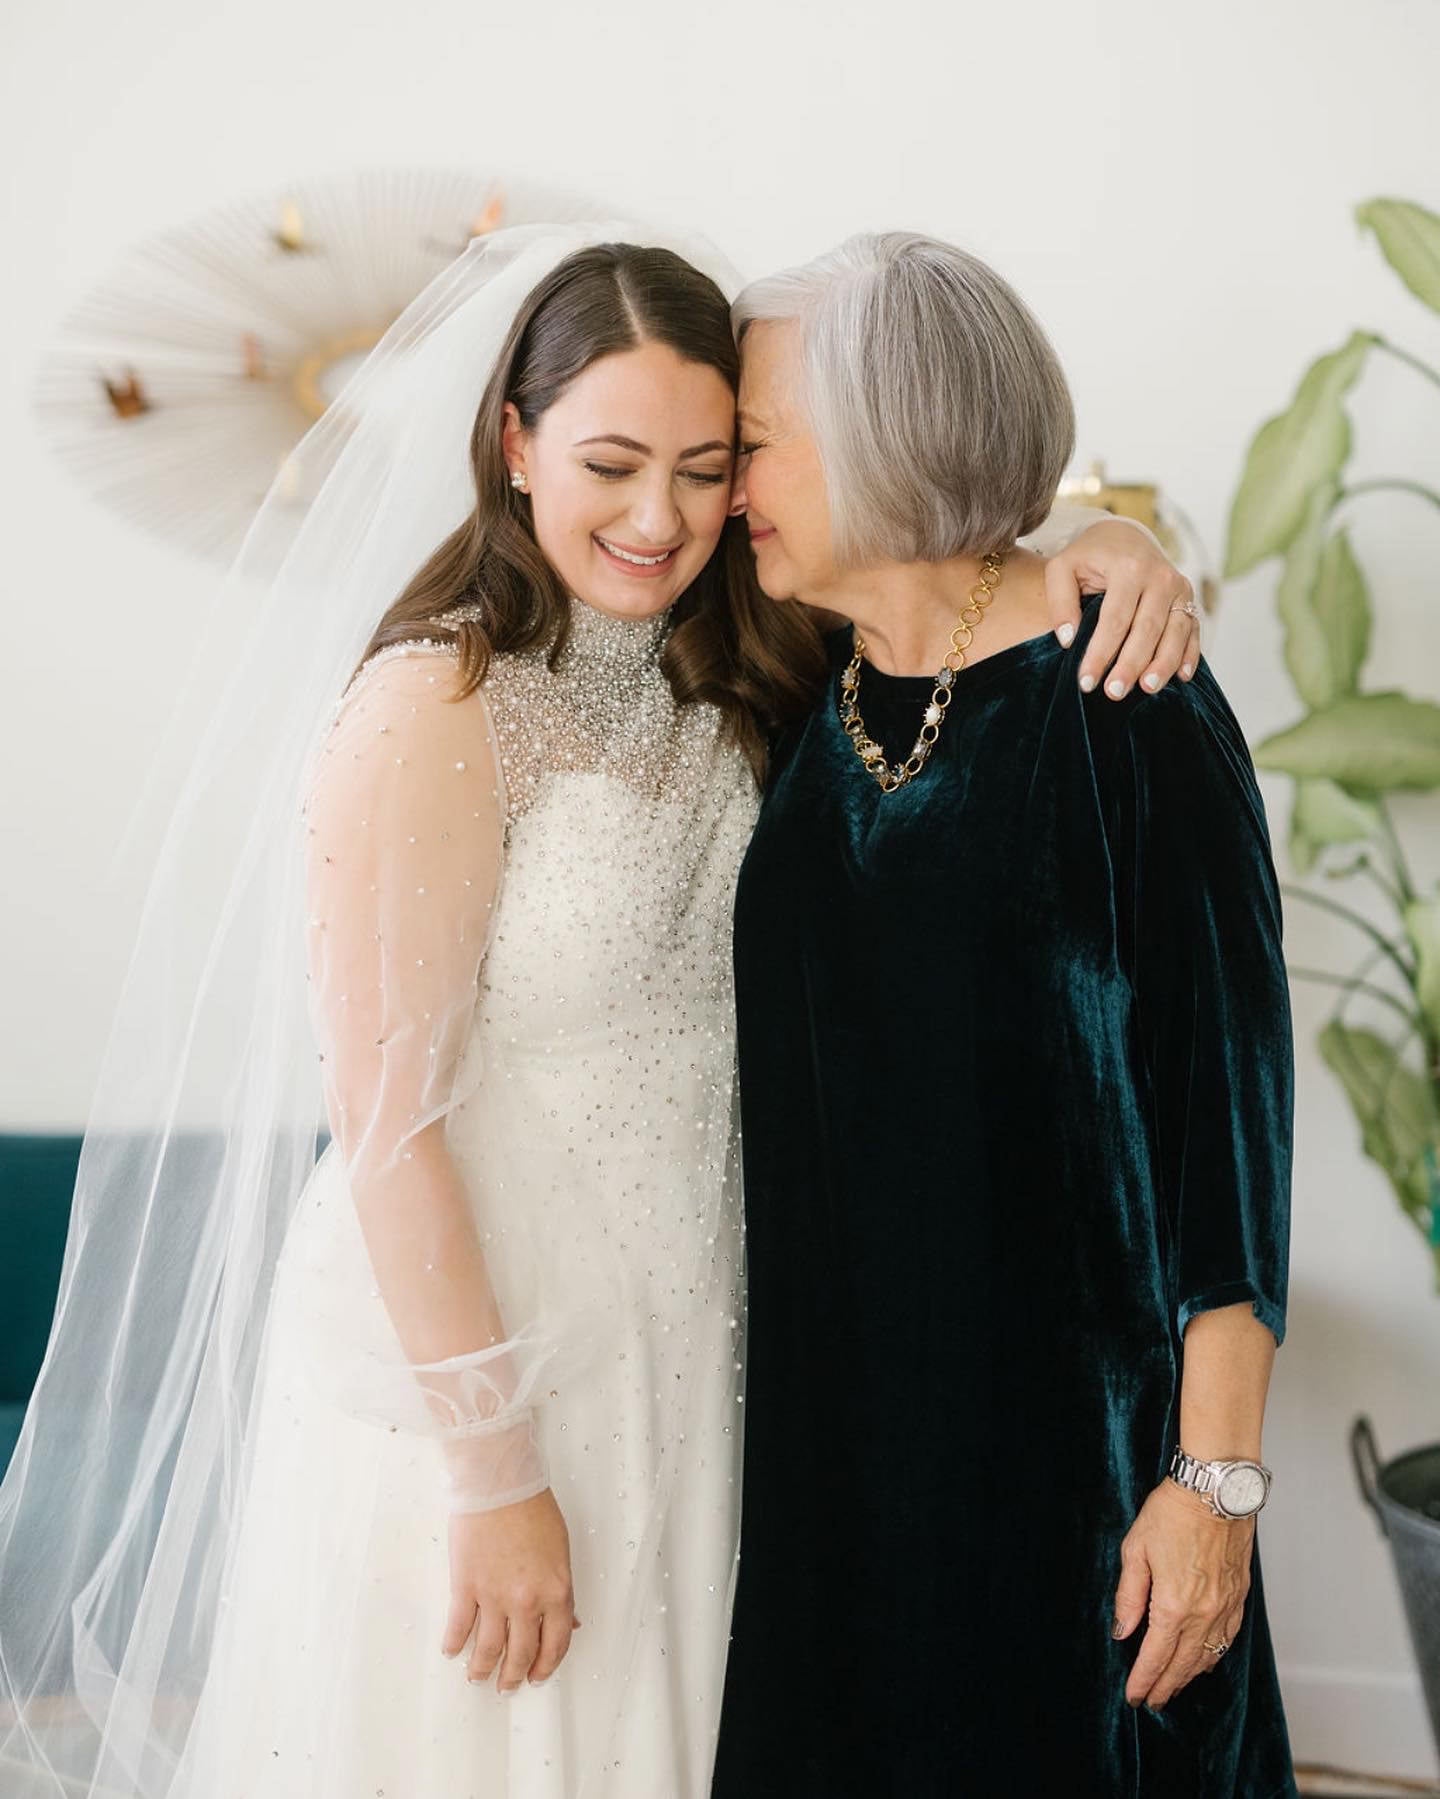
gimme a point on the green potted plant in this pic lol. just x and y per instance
(1350, 750)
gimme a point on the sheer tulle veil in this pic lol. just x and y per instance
(120, 1505)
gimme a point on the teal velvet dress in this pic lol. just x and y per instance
(1016, 1084)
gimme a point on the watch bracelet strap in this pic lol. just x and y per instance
(1190, 1472)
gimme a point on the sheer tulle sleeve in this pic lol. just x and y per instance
(404, 820)
(1065, 522)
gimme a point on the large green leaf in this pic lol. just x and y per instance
(1342, 605)
(1324, 606)
(1395, 1107)
(1422, 921)
(1369, 742)
(1291, 455)
(1323, 814)
(1409, 238)
(1308, 651)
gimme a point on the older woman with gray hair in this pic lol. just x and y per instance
(1016, 1079)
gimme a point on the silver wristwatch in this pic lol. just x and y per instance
(1230, 1489)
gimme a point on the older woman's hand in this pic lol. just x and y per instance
(1191, 1572)
(1139, 617)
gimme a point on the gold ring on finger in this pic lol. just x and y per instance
(1216, 1649)
(1188, 607)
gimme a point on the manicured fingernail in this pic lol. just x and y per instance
(1066, 634)
(1116, 689)
(1150, 682)
(1087, 683)
(1187, 669)
(1117, 1629)
(1134, 1704)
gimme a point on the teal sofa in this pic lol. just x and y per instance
(37, 1185)
(37, 1182)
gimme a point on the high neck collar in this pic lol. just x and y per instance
(599, 639)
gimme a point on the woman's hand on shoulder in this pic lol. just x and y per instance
(1141, 634)
(1184, 1574)
(510, 1584)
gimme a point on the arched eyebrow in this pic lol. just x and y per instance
(629, 443)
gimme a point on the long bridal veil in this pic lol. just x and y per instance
(121, 1502)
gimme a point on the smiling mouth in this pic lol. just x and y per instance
(634, 558)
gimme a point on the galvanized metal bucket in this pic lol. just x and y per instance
(1405, 1496)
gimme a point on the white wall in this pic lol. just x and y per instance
(1171, 187)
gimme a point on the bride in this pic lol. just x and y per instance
(319, 1447)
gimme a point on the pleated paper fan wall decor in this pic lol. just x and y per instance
(177, 388)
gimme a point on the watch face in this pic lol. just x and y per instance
(1241, 1490)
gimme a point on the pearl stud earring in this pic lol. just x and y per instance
(519, 482)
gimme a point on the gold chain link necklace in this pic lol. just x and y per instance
(865, 747)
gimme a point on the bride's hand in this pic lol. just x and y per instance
(1141, 627)
(511, 1566)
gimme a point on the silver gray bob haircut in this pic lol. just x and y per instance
(941, 413)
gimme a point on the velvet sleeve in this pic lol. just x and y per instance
(1199, 920)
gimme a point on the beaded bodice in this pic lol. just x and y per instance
(605, 707)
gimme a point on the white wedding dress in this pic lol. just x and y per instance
(551, 864)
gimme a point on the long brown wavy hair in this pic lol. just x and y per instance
(758, 662)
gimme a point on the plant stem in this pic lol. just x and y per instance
(1390, 486)
(1402, 870)
(1367, 867)
(1367, 964)
(1377, 937)
(1422, 368)
(1353, 985)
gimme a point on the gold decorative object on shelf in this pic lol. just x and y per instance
(1146, 502)
(181, 384)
